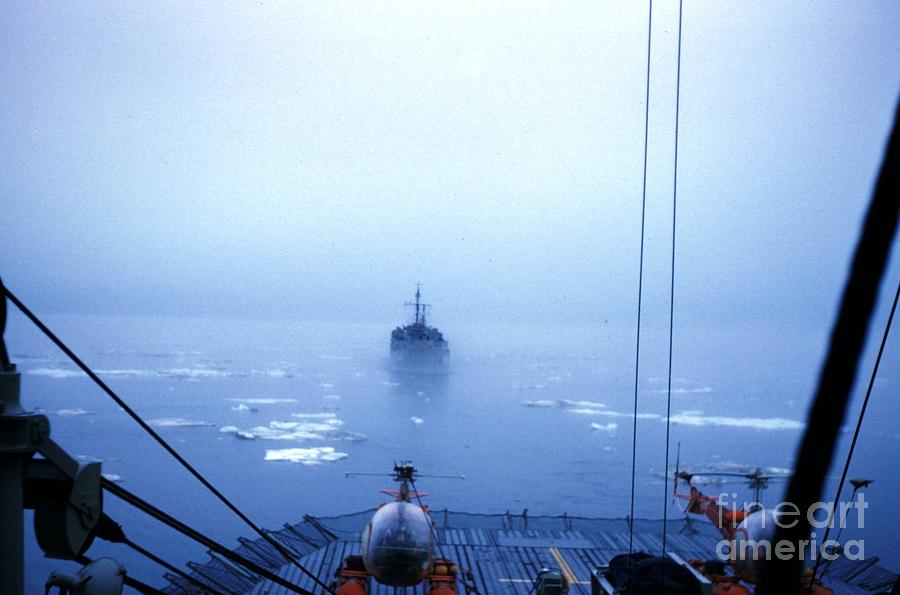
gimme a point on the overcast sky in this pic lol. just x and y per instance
(318, 159)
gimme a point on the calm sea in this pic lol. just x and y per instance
(275, 413)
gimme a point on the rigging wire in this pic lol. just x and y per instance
(672, 283)
(159, 439)
(637, 346)
(437, 545)
(191, 533)
(859, 421)
(170, 567)
(431, 526)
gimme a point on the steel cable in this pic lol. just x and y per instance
(159, 439)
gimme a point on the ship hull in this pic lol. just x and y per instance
(419, 358)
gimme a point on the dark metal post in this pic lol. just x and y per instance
(12, 536)
(838, 373)
(20, 433)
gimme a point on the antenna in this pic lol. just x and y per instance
(421, 309)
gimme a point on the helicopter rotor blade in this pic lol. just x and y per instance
(442, 476)
(743, 475)
(365, 473)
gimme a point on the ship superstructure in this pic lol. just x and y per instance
(417, 340)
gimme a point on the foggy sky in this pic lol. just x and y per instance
(317, 160)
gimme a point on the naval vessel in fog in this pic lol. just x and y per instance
(418, 342)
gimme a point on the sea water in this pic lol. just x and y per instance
(275, 413)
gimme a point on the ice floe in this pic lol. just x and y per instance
(306, 456)
(582, 404)
(565, 404)
(327, 415)
(758, 423)
(683, 391)
(417, 420)
(310, 426)
(70, 412)
(178, 422)
(610, 427)
(191, 374)
(56, 372)
(244, 407)
(262, 401)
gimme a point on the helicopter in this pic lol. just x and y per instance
(746, 530)
(398, 544)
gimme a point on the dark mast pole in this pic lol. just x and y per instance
(826, 415)
(418, 296)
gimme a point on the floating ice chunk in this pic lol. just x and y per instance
(112, 477)
(417, 420)
(127, 372)
(683, 391)
(243, 407)
(332, 397)
(262, 401)
(757, 423)
(306, 456)
(610, 427)
(70, 412)
(327, 415)
(238, 432)
(582, 404)
(56, 372)
(196, 373)
(178, 422)
(308, 426)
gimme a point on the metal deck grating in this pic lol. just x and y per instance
(506, 560)
(502, 551)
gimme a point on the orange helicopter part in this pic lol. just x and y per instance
(352, 587)
(352, 579)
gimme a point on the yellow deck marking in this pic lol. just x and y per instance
(566, 569)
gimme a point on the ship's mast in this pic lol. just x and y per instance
(418, 297)
(421, 308)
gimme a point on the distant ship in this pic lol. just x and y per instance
(418, 341)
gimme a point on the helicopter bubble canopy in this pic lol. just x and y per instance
(752, 537)
(397, 544)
